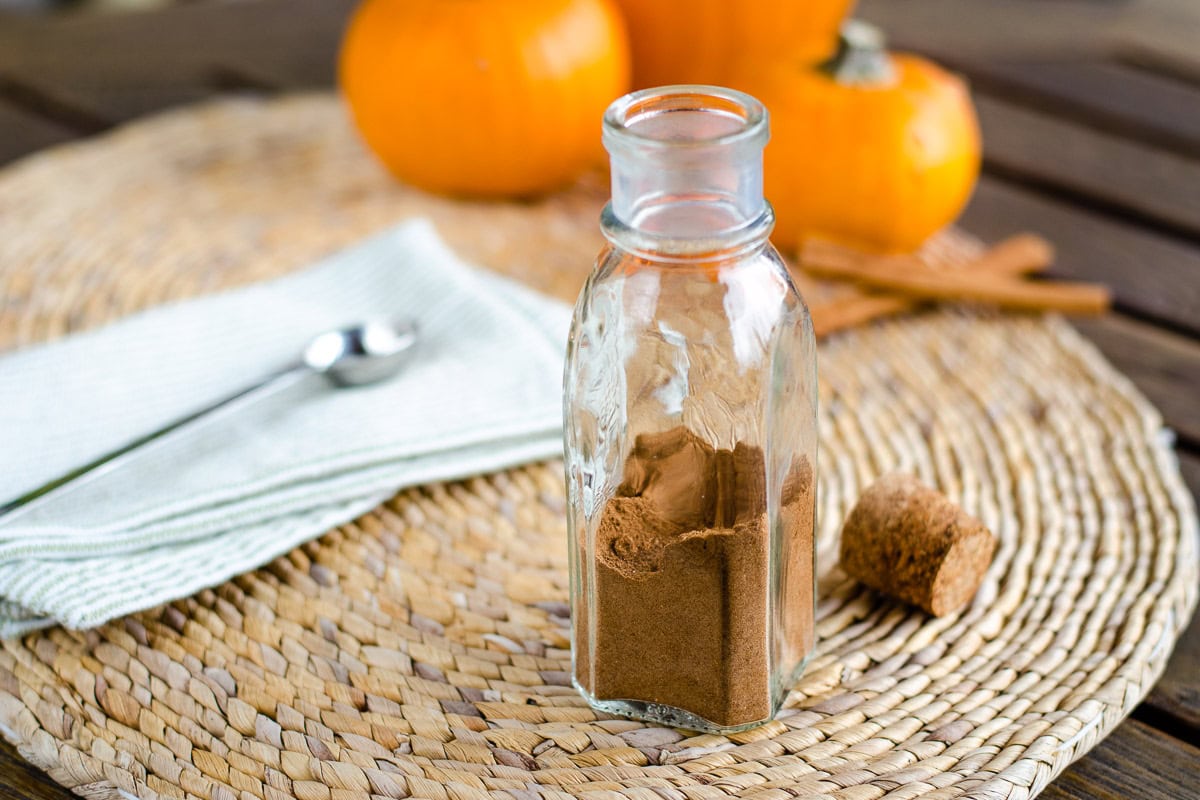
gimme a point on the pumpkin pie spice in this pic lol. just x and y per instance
(682, 580)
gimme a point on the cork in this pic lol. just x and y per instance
(910, 542)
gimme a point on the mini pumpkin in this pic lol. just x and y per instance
(484, 98)
(871, 149)
(701, 41)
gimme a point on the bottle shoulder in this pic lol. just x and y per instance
(745, 310)
(760, 279)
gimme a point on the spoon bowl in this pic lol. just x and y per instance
(362, 354)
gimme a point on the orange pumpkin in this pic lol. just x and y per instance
(484, 97)
(700, 41)
(870, 149)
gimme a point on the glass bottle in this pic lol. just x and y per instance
(690, 427)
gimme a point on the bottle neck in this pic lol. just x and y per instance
(687, 178)
(725, 245)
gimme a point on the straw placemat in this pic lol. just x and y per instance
(423, 649)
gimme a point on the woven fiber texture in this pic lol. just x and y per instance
(422, 650)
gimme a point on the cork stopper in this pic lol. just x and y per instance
(910, 542)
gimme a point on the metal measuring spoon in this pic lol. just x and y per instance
(355, 356)
(360, 355)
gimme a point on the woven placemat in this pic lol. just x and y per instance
(422, 650)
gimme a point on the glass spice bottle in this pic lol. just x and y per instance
(690, 427)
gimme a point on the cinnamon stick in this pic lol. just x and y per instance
(1068, 297)
(1015, 256)
(857, 309)
(1022, 254)
(991, 279)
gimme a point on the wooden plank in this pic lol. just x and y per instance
(1189, 465)
(1156, 34)
(22, 781)
(1164, 366)
(22, 133)
(1116, 98)
(1164, 38)
(1166, 63)
(1151, 274)
(302, 55)
(115, 67)
(1174, 702)
(987, 29)
(105, 88)
(1135, 761)
(1175, 699)
(1156, 185)
(105, 68)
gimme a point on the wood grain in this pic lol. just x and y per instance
(1162, 364)
(1175, 699)
(20, 780)
(116, 67)
(24, 132)
(987, 29)
(1097, 167)
(1160, 33)
(1111, 97)
(1123, 63)
(1150, 274)
(1135, 761)
(302, 57)
(1189, 465)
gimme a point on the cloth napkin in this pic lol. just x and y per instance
(481, 393)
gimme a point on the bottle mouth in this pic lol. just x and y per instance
(685, 116)
(686, 167)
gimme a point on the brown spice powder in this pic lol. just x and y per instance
(682, 580)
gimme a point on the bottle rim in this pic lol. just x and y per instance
(623, 115)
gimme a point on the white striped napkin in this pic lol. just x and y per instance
(483, 392)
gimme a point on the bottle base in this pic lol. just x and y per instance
(663, 714)
(674, 717)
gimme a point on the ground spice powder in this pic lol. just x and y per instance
(682, 576)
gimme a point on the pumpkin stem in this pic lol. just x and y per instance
(861, 57)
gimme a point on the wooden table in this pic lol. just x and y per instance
(1091, 119)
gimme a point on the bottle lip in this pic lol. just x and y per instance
(622, 116)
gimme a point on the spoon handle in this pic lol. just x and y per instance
(113, 460)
